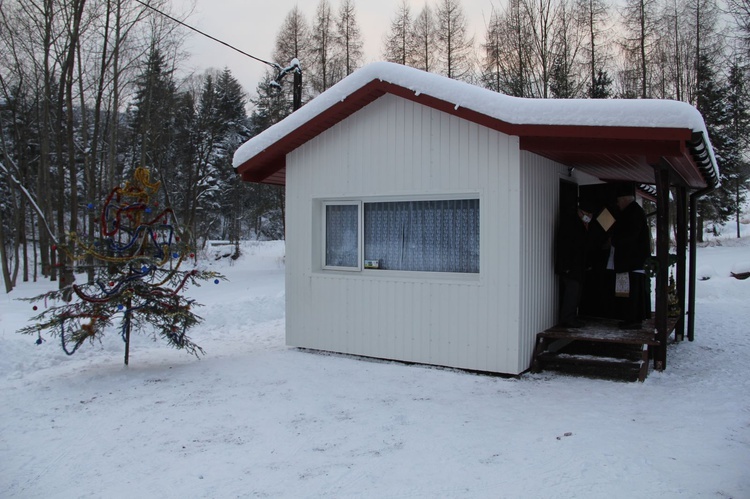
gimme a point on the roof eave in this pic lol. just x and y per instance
(268, 166)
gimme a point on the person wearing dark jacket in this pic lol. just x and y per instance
(631, 241)
(570, 263)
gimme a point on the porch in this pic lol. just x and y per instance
(601, 348)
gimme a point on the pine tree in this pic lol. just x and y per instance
(231, 110)
(154, 107)
(263, 204)
(736, 165)
(561, 86)
(602, 86)
(139, 276)
(716, 207)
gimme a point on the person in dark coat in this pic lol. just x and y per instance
(570, 262)
(631, 241)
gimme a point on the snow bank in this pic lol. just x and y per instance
(254, 418)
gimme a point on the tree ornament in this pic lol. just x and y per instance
(134, 281)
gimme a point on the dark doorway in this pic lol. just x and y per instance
(565, 249)
(568, 197)
(598, 298)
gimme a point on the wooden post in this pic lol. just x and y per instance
(127, 332)
(681, 206)
(662, 256)
(693, 246)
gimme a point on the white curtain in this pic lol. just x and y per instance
(430, 236)
(342, 235)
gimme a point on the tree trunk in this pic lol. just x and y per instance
(43, 182)
(738, 204)
(4, 258)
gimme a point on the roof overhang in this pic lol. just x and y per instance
(608, 152)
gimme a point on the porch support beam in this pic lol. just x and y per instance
(682, 229)
(694, 197)
(692, 266)
(661, 174)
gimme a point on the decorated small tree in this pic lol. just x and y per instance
(138, 276)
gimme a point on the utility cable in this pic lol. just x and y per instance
(273, 65)
(294, 66)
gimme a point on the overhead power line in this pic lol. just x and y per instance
(294, 66)
(273, 65)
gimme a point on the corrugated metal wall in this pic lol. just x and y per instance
(396, 148)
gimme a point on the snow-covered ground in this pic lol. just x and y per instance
(254, 418)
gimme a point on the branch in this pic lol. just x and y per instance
(28, 197)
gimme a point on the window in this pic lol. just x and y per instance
(342, 236)
(425, 236)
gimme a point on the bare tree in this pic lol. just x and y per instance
(641, 27)
(542, 20)
(454, 46)
(293, 39)
(507, 51)
(740, 11)
(424, 35)
(323, 64)
(348, 38)
(594, 17)
(702, 18)
(567, 78)
(293, 42)
(397, 44)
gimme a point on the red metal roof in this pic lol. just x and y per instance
(607, 152)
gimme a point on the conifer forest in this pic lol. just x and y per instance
(91, 90)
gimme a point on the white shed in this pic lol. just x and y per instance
(421, 211)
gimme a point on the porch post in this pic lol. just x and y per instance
(681, 206)
(693, 247)
(662, 257)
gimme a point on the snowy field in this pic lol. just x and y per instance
(254, 418)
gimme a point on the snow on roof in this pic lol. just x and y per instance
(647, 113)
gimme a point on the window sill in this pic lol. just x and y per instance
(401, 275)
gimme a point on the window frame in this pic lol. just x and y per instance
(360, 232)
(360, 203)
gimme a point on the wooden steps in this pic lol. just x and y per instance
(599, 348)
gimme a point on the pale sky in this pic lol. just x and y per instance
(252, 26)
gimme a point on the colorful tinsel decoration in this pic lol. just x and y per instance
(138, 275)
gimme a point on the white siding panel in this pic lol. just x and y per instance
(540, 179)
(394, 147)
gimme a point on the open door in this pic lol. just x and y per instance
(598, 298)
